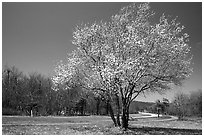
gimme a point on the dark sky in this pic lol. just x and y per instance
(35, 36)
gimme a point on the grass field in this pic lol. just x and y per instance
(94, 125)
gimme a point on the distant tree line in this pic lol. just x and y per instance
(23, 95)
(34, 95)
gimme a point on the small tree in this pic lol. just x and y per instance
(180, 104)
(127, 56)
(165, 103)
(159, 107)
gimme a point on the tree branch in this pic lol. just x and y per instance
(89, 55)
(138, 92)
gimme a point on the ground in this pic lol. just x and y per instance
(96, 125)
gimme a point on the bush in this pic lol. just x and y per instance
(10, 111)
(186, 105)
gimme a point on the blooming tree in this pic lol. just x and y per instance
(127, 56)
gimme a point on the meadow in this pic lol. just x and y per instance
(97, 125)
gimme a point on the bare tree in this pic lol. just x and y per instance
(12, 87)
(180, 103)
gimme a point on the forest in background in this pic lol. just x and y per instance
(22, 93)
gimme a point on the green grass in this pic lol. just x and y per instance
(93, 125)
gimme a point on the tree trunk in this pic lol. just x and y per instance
(118, 110)
(125, 118)
(125, 114)
(158, 112)
(107, 107)
(97, 106)
(110, 109)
